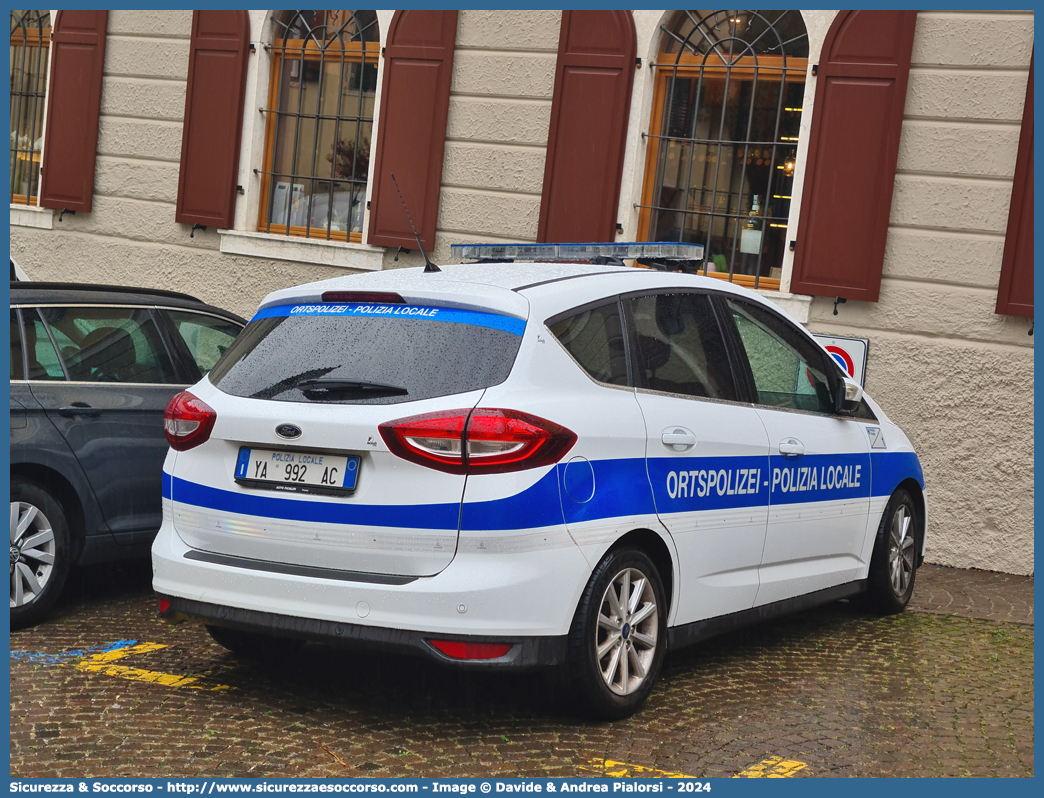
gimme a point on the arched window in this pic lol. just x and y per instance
(30, 38)
(319, 123)
(723, 139)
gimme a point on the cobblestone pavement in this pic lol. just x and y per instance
(830, 692)
(974, 594)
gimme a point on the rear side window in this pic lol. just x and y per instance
(17, 366)
(367, 354)
(680, 346)
(207, 337)
(41, 359)
(109, 344)
(595, 338)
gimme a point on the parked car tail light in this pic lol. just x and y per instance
(481, 441)
(458, 650)
(188, 421)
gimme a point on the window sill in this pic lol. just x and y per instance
(32, 216)
(302, 250)
(797, 305)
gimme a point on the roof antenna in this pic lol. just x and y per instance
(428, 265)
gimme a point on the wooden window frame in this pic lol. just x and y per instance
(296, 49)
(42, 39)
(690, 66)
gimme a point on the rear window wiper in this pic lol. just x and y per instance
(335, 385)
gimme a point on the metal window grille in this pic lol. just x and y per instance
(715, 141)
(30, 40)
(315, 180)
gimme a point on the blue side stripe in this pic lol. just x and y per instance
(538, 505)
(709, 483)
(495, 321)
(819, 478)
(891, 468)
(415, 516)
(622, 489)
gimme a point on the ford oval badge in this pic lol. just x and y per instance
(288, 431)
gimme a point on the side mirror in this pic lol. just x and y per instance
(848, 402)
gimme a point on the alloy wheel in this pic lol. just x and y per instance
(901, 550)
(627, 631)
(32, 553)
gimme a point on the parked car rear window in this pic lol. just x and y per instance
(327, 350)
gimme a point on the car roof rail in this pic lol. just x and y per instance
(663, 255)
(121, 289)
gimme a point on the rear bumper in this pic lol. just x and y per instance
(526, 598)
(525, 652)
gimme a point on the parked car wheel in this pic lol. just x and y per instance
(251, 645)
(40, 554)
(619, 635)
(893, 566)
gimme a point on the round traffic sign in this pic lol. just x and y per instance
(844, 360)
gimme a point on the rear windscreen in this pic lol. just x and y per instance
(367, 354)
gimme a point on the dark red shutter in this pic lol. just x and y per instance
(856, 122)
(587, 137)
(213, 123)
(1015, 295)
(411, 135)
(73, 107)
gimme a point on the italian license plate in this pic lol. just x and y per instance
(297, 472)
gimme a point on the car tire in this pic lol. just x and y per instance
(254, 645)
(40, 552)
(615, 651)
(893, 565)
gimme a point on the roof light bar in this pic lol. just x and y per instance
(634, 250)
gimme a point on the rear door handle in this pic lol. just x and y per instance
(79, 409)
(791, 447)
(678, 439)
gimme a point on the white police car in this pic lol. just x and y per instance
(523, 464)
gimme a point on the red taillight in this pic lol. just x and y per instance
(486, 441)
(188, 421)
(387, 297)
(435, 440)
(507, 440)
(459, 650)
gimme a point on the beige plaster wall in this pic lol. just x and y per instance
(956, 376)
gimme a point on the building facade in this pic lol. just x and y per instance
(879, 158)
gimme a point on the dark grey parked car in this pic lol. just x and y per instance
(92, 370)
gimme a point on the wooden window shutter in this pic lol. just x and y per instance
(587, 136)
(1015, 295)
(411, 133)
(73, 107)
(850, 174)
(213, 123)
